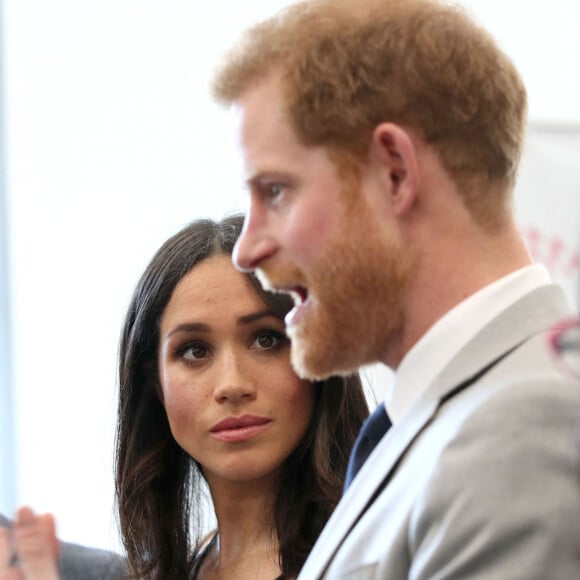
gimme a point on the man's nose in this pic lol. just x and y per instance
(254, 245)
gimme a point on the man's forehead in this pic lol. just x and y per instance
(263, 129)
(262, 101)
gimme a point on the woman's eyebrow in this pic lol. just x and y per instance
(249, 318)
(189, 327)
(202, 327)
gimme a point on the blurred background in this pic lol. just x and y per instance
(109, 143)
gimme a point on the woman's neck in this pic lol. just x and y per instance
(247, 545)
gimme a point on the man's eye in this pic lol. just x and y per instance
(275, 190)
(273, 193)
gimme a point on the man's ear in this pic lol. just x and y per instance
(393, 149)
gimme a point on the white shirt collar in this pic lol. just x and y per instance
(452, 331)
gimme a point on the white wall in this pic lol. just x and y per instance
(7, 451)
(547, 200)
(113, 143)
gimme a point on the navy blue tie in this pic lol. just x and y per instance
(370, 434)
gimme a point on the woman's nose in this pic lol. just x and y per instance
(234, 381)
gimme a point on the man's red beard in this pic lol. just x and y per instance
(355, 290)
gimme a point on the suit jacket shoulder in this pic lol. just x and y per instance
(502, 496)
(84, 563)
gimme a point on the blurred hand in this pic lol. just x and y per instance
(33, 540)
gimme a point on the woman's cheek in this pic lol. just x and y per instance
(181, 397)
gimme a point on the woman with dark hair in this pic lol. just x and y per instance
(208, 399)
(209, 402)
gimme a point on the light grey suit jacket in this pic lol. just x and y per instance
(83, 563)
(481, 479)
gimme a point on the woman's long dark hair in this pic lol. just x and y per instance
(159, 487)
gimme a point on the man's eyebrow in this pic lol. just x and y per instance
(265, 176)
(189, 327)
(249, 318)
(255, 181)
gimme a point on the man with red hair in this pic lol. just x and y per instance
(381, 142)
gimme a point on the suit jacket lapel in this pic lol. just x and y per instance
(378, 468)
(530, 315)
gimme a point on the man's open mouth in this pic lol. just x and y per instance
(301, 301)
(299, 293)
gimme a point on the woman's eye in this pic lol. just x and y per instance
(269, 340)
(195, 352)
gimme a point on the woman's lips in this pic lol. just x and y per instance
(234, 429)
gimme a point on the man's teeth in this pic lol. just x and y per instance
(299, 295)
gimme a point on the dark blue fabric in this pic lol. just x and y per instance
(370, 434)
